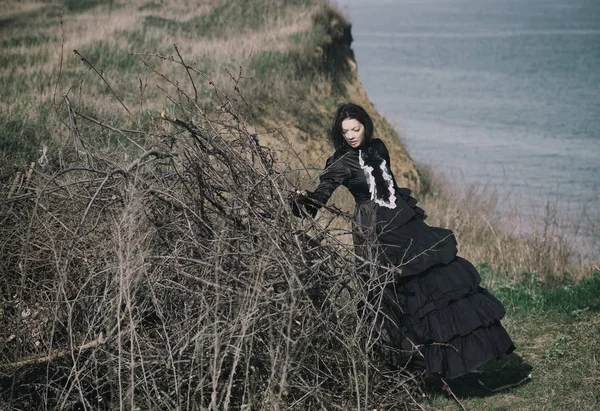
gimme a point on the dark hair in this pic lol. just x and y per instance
(354, 112)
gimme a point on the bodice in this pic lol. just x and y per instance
(365, 172)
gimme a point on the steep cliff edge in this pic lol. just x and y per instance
(341, 81)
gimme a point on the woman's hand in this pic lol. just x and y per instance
(302, 205)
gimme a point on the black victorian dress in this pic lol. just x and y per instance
(437, 302)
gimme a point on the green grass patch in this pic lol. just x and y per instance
(27, 40)
(11, 59)
(30, 19)
(150, 6)
(106, 56)
(137, 39)
(167, 24)
(79, 6)
(304, 59)
(530, 294)
(16, 85)
(231, 17)
(266, 63)
(20, 136)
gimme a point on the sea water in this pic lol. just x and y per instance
(502, 94)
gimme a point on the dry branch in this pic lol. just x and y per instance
(36, 360)
(186, 247)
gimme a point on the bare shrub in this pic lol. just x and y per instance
(166, 272)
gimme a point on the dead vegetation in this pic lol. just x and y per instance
(171, 275)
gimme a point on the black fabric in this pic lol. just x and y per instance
(437, 303)
(303, 205)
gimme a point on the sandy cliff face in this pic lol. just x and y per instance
(300, 147)
(402, 165)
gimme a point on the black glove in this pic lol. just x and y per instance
(302, 205)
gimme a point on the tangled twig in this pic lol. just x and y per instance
(183, 252)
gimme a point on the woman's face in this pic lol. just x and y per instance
(353, 131)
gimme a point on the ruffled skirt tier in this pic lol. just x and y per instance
(437, 304)
(450, 317)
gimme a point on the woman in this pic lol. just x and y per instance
(437, 303)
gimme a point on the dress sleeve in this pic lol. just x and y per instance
(336, 173)
(382, 150)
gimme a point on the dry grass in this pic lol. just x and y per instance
(512, 244)
(295, 68)
(124, 27)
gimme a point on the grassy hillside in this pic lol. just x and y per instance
(291, 61)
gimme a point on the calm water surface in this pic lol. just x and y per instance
(504, 94)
